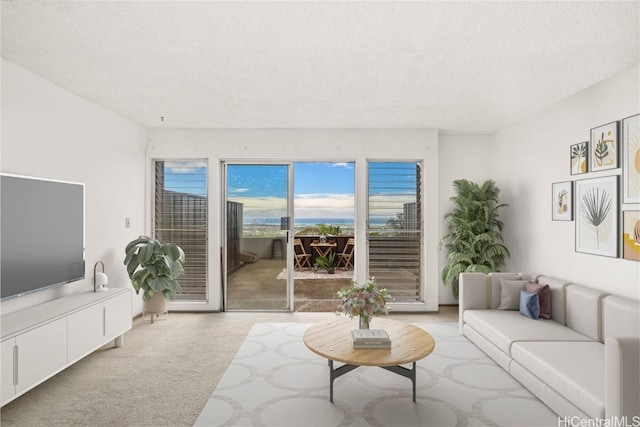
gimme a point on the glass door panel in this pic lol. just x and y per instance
(324, 226)
(257, 224)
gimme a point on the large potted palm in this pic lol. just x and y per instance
(474, 241)
(154, 268)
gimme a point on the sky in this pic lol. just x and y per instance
(321, 190)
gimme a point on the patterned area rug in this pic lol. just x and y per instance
(274, 380)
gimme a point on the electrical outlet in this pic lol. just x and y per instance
(127, 222)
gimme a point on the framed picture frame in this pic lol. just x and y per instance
(631, 159)
(603, 147)
(631, 234)
(562, 201)
(596, 201)
(579, 155)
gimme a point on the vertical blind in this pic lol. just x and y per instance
(394, 229)
(180, 217)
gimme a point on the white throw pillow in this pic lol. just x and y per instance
(510, 294)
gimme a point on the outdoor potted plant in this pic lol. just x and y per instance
(154, 268)
(327, 262)
(474, 241)
(329, 230)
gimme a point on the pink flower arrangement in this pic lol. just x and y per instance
(363, 299)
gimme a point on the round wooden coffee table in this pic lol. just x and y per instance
(332, 340)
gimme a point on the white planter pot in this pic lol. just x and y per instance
(157, 304)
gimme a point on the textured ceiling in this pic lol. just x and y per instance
(455, 66)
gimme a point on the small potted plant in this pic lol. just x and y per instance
(154, 268)
(327, 262)
(363, 300)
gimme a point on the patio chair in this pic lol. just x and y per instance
(302, 258)
(345, 258)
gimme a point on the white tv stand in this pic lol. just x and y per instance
(40, 341)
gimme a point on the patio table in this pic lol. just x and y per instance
(323, 249)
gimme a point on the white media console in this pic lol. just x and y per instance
(41, 341)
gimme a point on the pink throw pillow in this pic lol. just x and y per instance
(544, 296)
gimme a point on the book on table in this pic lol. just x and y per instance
(370, 338)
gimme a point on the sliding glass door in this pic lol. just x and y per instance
(257, 217)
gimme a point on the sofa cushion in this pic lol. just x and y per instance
(504, 327)
(544, 297)
(621, 317)
(529, 304)
(583, 311)
(558, 306)
(510, 294)
(493, 281)
(574, 369)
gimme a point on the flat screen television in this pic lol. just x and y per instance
(41, 235)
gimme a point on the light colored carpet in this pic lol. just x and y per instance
(274, 380)
(163, 376)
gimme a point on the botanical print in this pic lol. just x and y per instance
(596, 216)
(631, 235)
(562, 201)
(579, 158)
(631, 159)
(604, 147)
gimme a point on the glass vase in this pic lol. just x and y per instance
(363, 322)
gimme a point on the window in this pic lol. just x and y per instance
(394, 228)
(180, 217)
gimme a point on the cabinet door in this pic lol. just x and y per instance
(42, 352)
(86, 331)
(118, 315)
(8, 388)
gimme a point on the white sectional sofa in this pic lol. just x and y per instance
(584, 361)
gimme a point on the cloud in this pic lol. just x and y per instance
(184, 167)
(324, 205)
(321, 205)
(342, 165)
(238, 190)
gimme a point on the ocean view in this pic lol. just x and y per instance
(310, 221)
(270, 226)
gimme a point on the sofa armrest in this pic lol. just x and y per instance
(472, 295)
(622, 377)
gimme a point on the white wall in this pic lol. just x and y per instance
(528, 157)
(49, 132)
(316, 145)
(461, 157)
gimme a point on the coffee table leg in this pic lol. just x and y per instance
(335, 373)
(400, 370)
(407, 373)
(331, 378)
(413, 380)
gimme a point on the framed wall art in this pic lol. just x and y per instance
(631, 159)
(579, 155)
(631, 235)
(603, 147)
(562, 201)
(596, 201)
